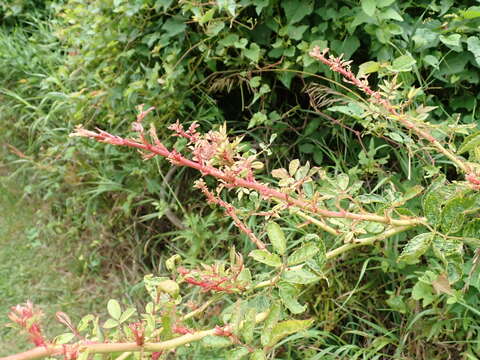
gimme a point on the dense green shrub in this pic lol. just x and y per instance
(241, 62)
(23, 12)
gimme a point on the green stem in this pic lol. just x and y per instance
(365, 241)
(343, 249)
(316, 222)
(106, 348)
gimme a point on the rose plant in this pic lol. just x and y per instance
(259, 294)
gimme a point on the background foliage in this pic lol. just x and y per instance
(246, 63)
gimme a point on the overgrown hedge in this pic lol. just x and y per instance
(243, 62)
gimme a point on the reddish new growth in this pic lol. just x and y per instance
(230, 210)
(215, 155)
(156, 355)
(138, 331)
(342, 67)
(214, 278)
(182, 330)
(70, 352)
(223, 331)
(474, 180)
(27, 317)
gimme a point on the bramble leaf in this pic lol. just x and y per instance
(228, 5)
(471, 13)
(253, 52)
(452, 41)
(384, 3)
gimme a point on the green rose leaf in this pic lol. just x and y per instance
(110, 324)
(258, 355)
(216, 342)
(299, 276)
(271, 320)
(277, 236)
(415, 248)
(114, 309)
(237, 354)
(472, 141)
(266, 257)
(248, 325)
(368, 68)
(302, 254)
(127, 314)
(288, 295)
(453, 214)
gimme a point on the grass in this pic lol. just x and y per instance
(39, 268)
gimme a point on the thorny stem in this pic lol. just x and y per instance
(105, 348)
(343, 68)
(186, 317)
(232, 181)
(230, 210)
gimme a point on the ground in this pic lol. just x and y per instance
(38, 269)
